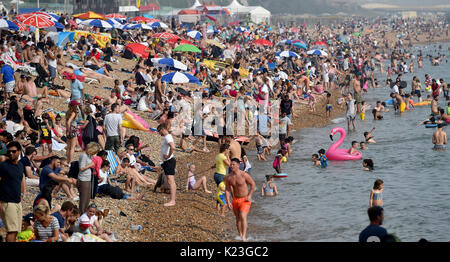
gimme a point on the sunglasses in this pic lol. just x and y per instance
(12, 151)
(130, 148)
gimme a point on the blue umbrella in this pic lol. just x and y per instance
(300, 45)
(194, 34)
(149, 16)
(158, 24)
(97, 23)
(286, 54)
(179, 78)
(8, 25)
(170, 62)
(286, 42)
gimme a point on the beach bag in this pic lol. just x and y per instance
(74, 170)
(89, 134)
(114, 192)
(162, 183)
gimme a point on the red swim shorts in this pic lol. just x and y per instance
(241, 204)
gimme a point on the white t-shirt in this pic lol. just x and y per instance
(112, 123)
(103, 175)
(142, 105)
(165, 148)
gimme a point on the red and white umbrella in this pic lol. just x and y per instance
(140, 19)
(165, 35)
(22, 27)
(117, 16)
(36, 20)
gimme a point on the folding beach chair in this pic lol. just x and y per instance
(114, 163)
(17, 66)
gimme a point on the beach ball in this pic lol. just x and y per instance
(284, 159)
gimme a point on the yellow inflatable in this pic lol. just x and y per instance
(133, 121)
(423, 103)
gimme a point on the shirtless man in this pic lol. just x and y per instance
(236, 183)
(356, 85)
(434, 105)
(235, 150)
(400, 101)
(439, 138)
(31, 93)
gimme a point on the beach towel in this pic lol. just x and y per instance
(68, 76)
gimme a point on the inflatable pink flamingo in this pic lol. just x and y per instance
(336, 154)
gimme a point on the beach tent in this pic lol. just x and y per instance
(60, 38)
(259, 15)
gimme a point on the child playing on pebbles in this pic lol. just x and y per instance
(221, 199)
(192, 184)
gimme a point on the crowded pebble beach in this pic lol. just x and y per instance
(104, 141)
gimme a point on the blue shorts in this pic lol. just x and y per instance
(52, 71)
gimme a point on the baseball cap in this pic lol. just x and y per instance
(74, 103)
(84, 222)
(73, 76)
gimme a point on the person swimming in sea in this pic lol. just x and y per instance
(368, 136)
(376, 194)
(269, 188)
(368, 164)
(322, 158)
(277, 161)
(363, 146)
(315, 159)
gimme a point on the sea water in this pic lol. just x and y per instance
(325, 205)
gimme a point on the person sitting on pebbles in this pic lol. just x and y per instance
(192, 183)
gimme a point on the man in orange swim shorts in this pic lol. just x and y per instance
(238, 182)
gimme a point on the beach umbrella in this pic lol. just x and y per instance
(172, 41)
(357, 34)
(187, 48)
(286, 54)
(8, 25)
(97, 23)
(282, 75)
(158, 24)
(214, 42)
(138, 49)
(54, 17)
(165, 35)
(115, 16)
(319, 43)
(89, 15)
(140, 19)
(263, 42)
(317, 52)
(149, 16)
(194, 34)
(320, 47)
(242, 29)
(300, 45)
(36, 20)
(60, 38)
(56, 27)
(285, 42)
(21, 26)
(170, 62)
(136, 27)
(179, 78)
(115, 23)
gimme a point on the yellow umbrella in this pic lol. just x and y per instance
(90, 15)
(214, 42)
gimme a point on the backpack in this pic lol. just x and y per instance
(74, 170)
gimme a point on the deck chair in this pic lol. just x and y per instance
(17, 66)
(114, 163)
